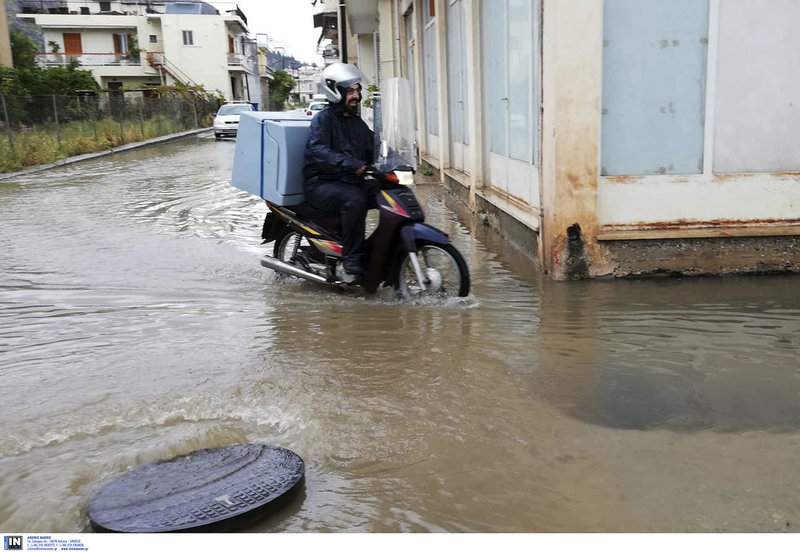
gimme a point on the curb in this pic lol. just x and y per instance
(110, 151)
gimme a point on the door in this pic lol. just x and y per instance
(457, 83)
(430, 86)
(511, 86)
(410, 67)
(72, 44)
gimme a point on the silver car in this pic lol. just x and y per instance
(226, 121)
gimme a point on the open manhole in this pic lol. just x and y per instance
(210, 489)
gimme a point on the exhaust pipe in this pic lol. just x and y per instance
(280, 266)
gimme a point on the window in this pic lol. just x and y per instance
(84, 10)
(654, 75)
(188, 39)
(153, 39)
(105, 6)
(236, 109)
(757, 122)
(120, 44)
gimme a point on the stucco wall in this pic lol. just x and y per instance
(207, 58)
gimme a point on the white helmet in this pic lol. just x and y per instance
(338, 76)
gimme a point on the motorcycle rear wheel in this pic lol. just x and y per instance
(443, 267)
(284, 249)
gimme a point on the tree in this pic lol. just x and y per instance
(65, 80)
(280, 88)
(23, 51)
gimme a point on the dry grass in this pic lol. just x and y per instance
(41, 145)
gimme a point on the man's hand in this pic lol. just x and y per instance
(361, 170)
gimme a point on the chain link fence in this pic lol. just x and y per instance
(44, 129)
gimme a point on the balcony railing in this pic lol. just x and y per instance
(160, 61)
(237, 59)
(94, 59)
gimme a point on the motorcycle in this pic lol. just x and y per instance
(403, 252)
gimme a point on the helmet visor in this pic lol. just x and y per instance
(349, 82)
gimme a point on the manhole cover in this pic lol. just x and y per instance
(195, 491)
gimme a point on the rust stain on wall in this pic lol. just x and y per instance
(684, 224)
(720, 177)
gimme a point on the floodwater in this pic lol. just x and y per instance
(136, 324)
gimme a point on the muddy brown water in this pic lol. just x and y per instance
(136, 324)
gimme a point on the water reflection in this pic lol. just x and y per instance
(685, 353)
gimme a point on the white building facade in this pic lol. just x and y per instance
(308, 83)
(132, 43)
(608, 137)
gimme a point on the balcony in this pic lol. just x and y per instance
(88, 59)
(237, 60)
(330, 53)
(43, 6)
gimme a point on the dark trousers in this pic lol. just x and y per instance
(350, 202)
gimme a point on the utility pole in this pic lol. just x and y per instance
(5, 42)
(343, 30)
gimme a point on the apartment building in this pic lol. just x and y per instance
(308, 83)
(138, 42)
(607, 137)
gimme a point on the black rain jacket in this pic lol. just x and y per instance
(337, 146)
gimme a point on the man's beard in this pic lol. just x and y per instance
(351, 106)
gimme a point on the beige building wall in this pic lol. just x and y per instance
(571, 70)
(5, 42)
(577, 222)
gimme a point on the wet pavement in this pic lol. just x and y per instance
(136, 324)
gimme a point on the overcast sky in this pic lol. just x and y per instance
(289, 23)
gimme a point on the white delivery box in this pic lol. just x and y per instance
(268, 159)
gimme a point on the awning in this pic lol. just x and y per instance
(362, 16)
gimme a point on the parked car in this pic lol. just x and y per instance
(315, 107)
(226, 122)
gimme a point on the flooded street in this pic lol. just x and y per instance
(136, 324)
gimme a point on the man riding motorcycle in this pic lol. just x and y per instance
(340, 146)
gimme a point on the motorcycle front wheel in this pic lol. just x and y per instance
(444, 271)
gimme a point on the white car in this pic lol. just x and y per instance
(315, 107)
(226, 121)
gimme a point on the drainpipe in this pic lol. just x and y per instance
(343, 30)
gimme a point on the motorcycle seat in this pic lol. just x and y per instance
(328, 221)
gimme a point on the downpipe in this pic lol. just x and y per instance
(280, 266)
